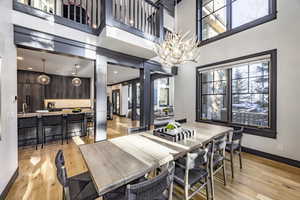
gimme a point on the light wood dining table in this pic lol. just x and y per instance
(116, 162)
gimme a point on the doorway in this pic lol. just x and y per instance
(116, 101)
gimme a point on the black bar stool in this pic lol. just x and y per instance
(29, 123)
(50, 122)
(90, 122)
(74, 119)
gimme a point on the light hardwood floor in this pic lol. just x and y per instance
(261, 179)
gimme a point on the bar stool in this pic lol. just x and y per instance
(74, 119)
(29, 123)
(90, 122)
(50, 122)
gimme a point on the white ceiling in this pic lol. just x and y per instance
(65, 65)
(117, 74)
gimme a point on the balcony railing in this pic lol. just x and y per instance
(140, 17)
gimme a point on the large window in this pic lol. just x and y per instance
(219, 18)
(240, 93)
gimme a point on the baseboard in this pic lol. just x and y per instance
(288, 161)
(10, 183)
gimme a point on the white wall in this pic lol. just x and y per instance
(8, 144)
(282, 34)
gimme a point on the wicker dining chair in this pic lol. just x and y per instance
(217, 160)
(79, 187)
(158, 188)
(193, 170)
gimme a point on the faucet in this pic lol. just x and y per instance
(24, 107)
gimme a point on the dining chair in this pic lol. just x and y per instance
(157, 188)
(79, 187)
(217, 160)
(192, 171)
(235, 146)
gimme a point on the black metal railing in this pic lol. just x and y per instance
(141, 17)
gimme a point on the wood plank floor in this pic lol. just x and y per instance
(261, 179)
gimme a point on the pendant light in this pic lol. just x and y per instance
(177, 48)
(43, 79)
(76, 81)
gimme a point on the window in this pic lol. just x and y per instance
(219, 18)
(240, 92)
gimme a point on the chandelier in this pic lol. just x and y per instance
(43, 79)
(177, 48)
(76, 81)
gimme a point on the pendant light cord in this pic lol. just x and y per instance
(44, 65)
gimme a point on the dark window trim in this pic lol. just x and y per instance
(270, 17)
(265, 132)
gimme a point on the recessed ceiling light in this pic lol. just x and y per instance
(20, 58)
(77, 66)
(115, 72)
(30, 68)
(73, 73)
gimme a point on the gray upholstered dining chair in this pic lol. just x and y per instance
(235, 146)
(193, 170)
(217, 160)
(79, 187)
(157, 188)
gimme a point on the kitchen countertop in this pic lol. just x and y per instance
(64, 112)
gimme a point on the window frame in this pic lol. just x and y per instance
(253, 130)
(229, 30)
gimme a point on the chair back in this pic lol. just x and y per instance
(220, 144)
(237, 135)
(136, 130)
(61, 173)
(30, 122)
(55, 120)
(181, 121)
(199, 157)
(153, 188)
(74, 118)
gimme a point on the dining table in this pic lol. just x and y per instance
(116, 162)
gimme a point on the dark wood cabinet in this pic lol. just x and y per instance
(60, 87)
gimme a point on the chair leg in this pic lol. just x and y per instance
(186, 192)
(171, 191)
(224, 173)
(240, 156)
(212, 184)
(37, 138)
(206, 188)
(62, 135)
(67, 132)
(232, 165)
(43, 137)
